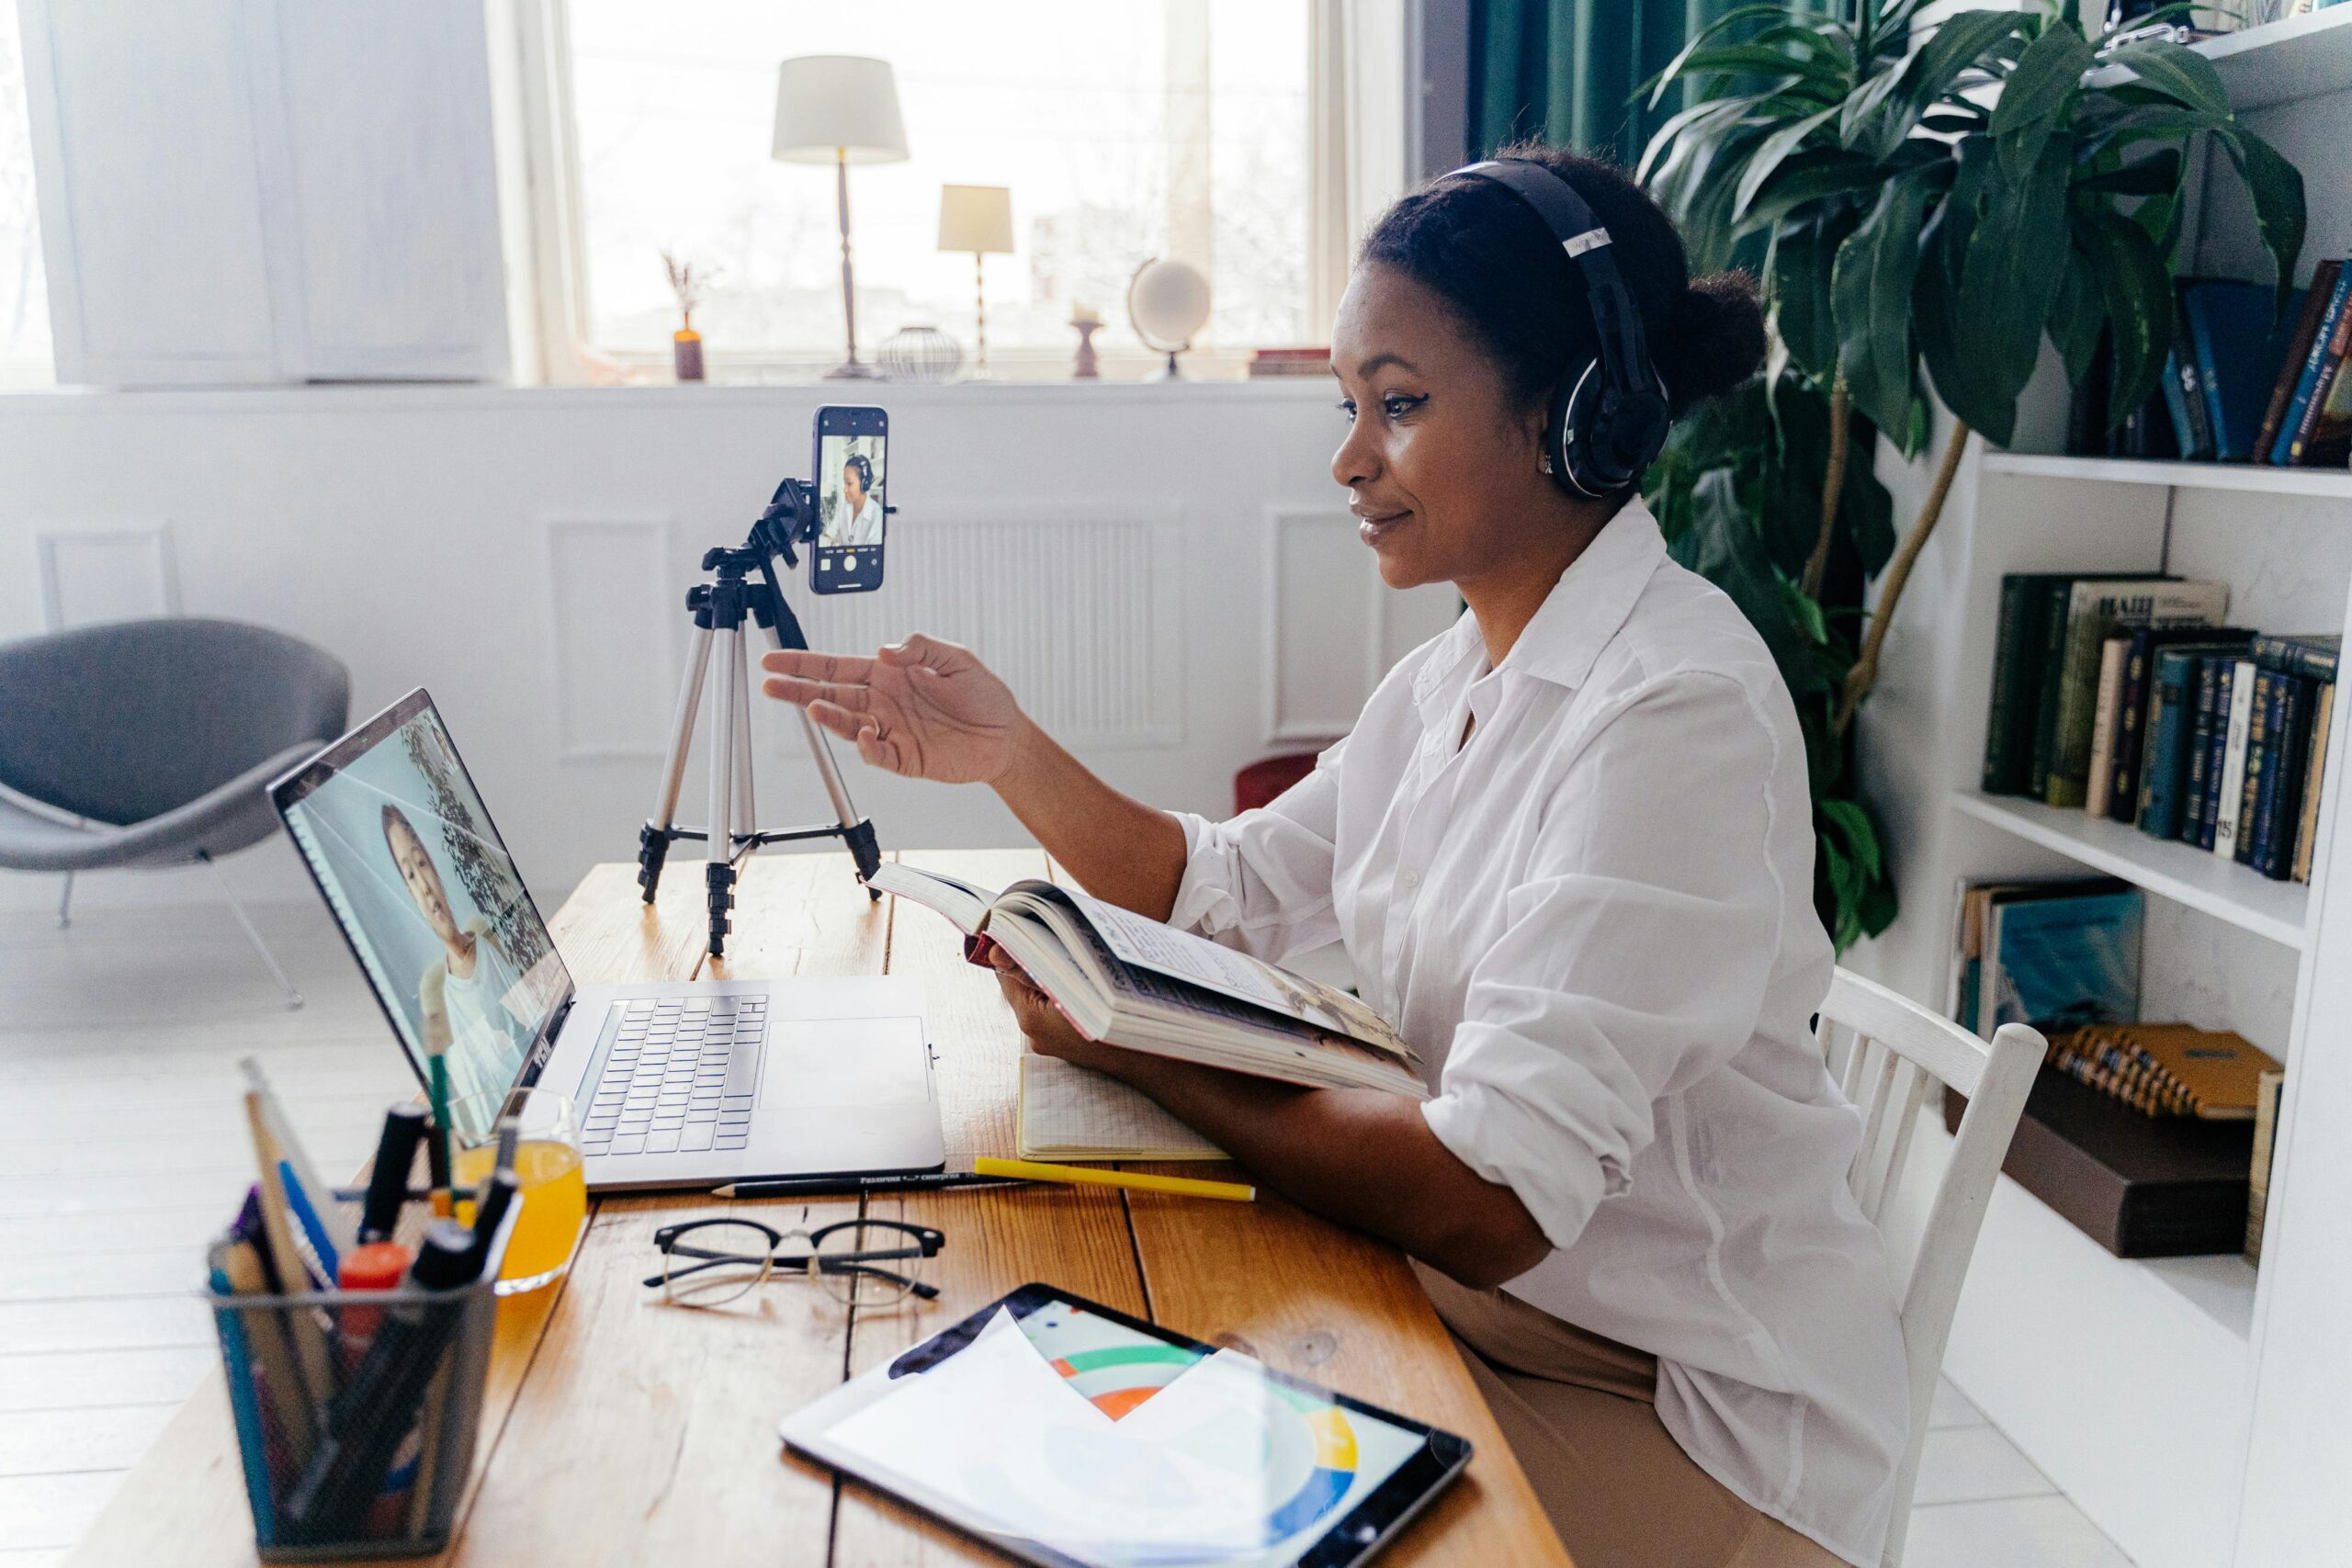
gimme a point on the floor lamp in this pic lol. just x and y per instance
(977, 219)
(840, 109)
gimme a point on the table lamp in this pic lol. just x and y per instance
(840, 109)
(977, 219)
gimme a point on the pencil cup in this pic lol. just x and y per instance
(356, 1411)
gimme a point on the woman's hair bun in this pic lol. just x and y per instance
(1716, 341)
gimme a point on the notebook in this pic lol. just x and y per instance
(1073, 1112)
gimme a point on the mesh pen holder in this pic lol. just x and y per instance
(356, 1411)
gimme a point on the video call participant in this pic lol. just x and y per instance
(861, 522)
(463, 993)
(1568, 847)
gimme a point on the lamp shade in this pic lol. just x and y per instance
(975, 217)
(847, 104)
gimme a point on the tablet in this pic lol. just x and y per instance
(1064, 1433)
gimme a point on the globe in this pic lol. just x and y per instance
(1167, 301)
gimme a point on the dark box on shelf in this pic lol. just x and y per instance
(2140, 1186)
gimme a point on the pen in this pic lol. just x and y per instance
(1136, 1182)
(850, 1186)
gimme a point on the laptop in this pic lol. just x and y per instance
(678, 1083)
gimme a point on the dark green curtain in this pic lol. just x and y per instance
(1565, 71)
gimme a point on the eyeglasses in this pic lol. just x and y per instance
(862, 1263)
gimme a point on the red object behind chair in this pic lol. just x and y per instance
(1260, 783)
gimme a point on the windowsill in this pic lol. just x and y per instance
(388, 395)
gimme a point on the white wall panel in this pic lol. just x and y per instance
(614, 624)
(91, 575)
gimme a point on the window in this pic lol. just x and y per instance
(1125, 132)
(24, 294)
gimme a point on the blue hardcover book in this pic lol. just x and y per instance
(2282, 449)
(2164, 771)
(2311, 654)
(2240, 337)
(2217, 746)
(2058, 964)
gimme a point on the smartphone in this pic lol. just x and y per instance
(852, 476)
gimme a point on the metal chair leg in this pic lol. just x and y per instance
(293, 997)
(65, 904)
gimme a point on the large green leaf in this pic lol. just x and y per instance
(1771, 152)
(2277, 187)
(1871, 294)
(1665, 78)
(1799, 282)
(2136, 290)
(1811, 177)
(2011, 272)
(2158, 173)
(2181, 74)
(2037, 96)
(1961, 41)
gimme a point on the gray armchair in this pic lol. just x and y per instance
(148, 744)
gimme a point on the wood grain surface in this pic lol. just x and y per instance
(619, 1430)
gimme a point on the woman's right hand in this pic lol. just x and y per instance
(923, 709)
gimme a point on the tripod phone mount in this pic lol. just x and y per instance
(743, 585)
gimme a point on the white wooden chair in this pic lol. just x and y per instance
(1887, 1052)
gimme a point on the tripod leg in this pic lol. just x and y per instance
(718, 871)
(746, 809)
(858, 833)
(653, 838)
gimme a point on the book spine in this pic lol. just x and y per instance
(2259, 733)
(2280, 813)
(2315, 299)
(2315, 361)
(2338, 344)
(2201, 741)
(2270, 1088)
(2296, 656)
(2308, 837)
(2132, 729)
(2005, 749)
(2098, 775)
(2051, 670)
(2184, 400)
(2165, 762)
(2070, 743)
(2200, 338)
(2231, 780)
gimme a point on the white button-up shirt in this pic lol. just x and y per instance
(1595, 923)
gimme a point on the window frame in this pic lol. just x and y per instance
(1351, 88)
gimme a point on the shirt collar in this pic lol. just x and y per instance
(1577, 619)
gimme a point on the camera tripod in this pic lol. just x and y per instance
(743, 586)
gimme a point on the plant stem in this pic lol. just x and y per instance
(1832, 484)
(1864, 674)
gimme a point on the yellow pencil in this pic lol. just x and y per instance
(1087, 1175)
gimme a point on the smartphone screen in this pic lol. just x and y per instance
(852, 476)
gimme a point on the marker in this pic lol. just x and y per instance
(379, 1215)
(1134, 1181)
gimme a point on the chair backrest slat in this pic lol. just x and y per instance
(1899, 1053)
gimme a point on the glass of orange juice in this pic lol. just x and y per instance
(554, 1193)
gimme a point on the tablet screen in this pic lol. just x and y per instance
(1066, 1435)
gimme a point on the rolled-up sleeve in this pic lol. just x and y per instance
(1262, 882)
(1635, 955)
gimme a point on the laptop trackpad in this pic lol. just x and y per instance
(849, 1064)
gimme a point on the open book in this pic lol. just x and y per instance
(1135, 983)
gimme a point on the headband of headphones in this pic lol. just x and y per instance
(1608, 434)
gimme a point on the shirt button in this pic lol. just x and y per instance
(1411, 879)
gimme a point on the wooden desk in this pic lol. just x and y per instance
(617, 1430)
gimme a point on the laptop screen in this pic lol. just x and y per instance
(405, 852)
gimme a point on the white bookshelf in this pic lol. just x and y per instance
(2194, 1406)
(2197, 878)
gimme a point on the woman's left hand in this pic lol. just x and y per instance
(1048, 1031)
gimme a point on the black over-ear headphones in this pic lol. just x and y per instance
(1609, 417)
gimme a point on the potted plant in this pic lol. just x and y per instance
(1925, 204)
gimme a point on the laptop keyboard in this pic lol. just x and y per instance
(680, 1079)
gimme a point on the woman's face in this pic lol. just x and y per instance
(1440, 469)
(853, 486)
(423, 881)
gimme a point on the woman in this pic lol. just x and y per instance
(463, 995)
(861, 514)
(1568, 848)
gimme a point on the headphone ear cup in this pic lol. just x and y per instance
(1582, 465)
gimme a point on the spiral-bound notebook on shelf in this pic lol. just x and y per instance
(1073, 1112)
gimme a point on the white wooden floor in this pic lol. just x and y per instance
(122, 1150)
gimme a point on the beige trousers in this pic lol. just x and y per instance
(1580, 1412)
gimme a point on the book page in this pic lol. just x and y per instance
(1150, 946)
(959, 901)
(1070, 1112)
